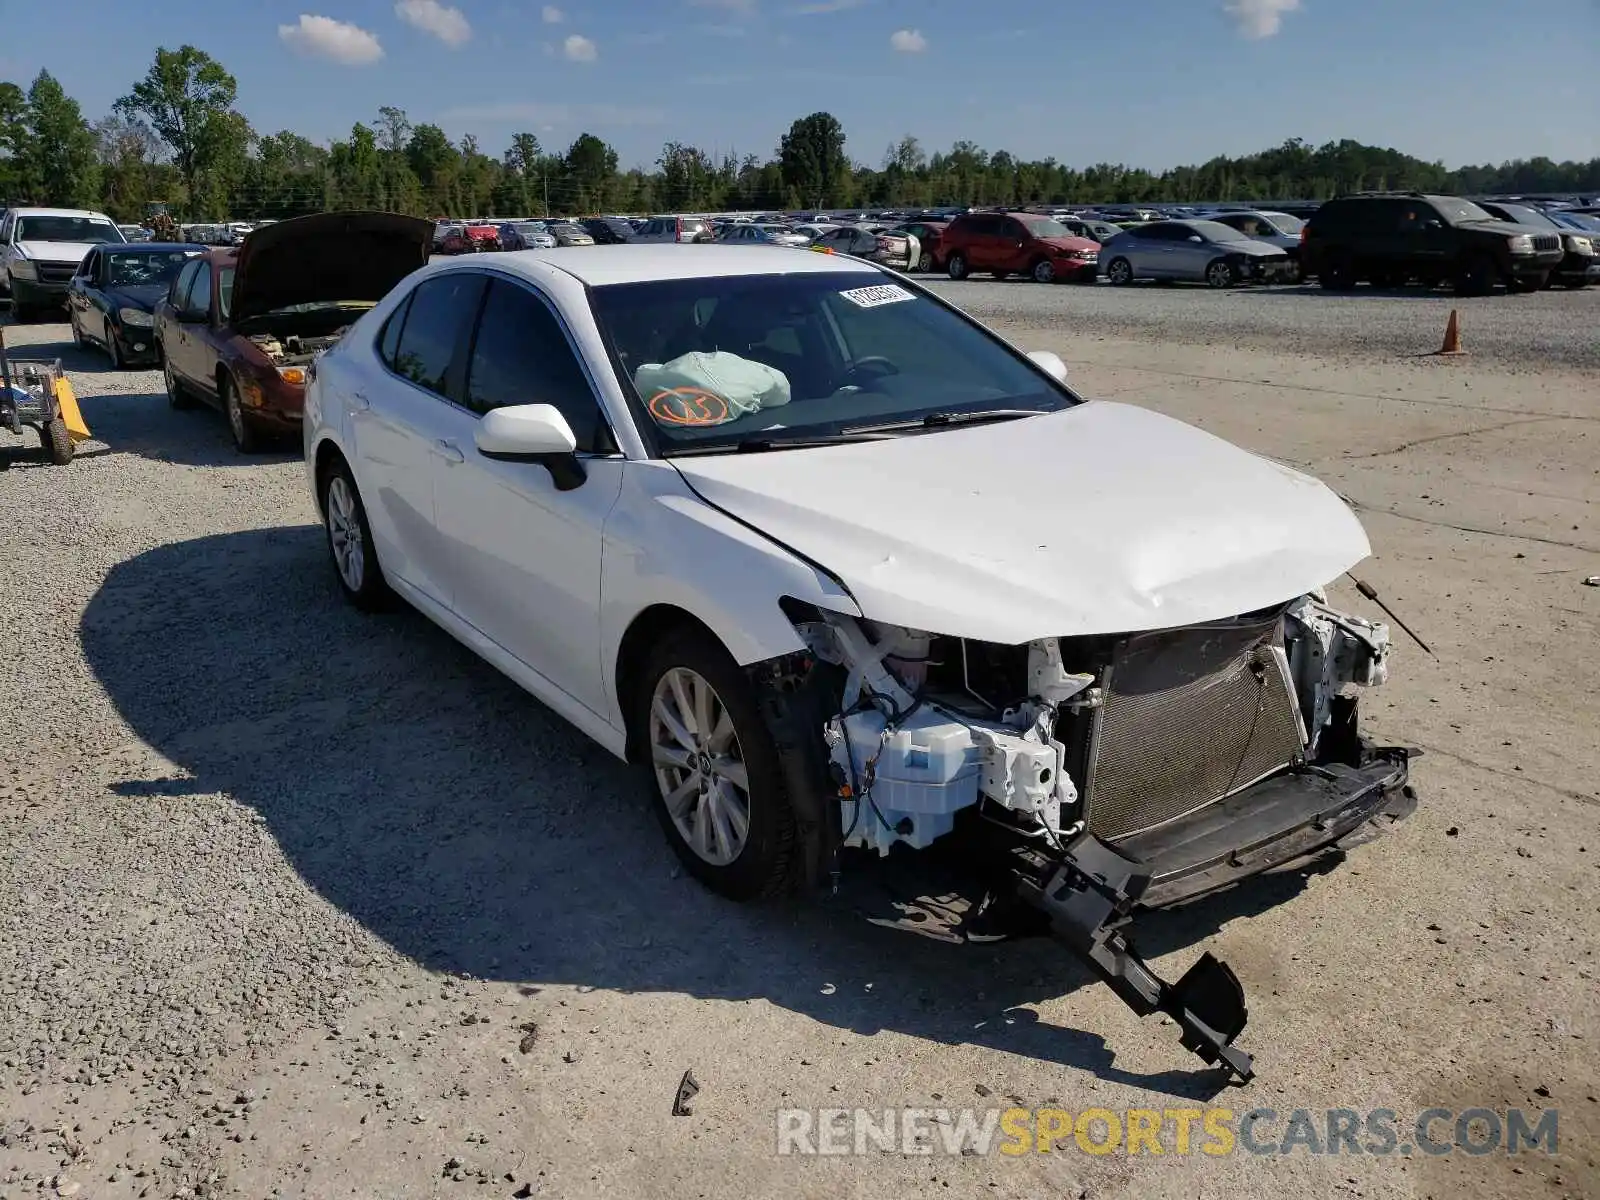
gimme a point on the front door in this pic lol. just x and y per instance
(524, 553)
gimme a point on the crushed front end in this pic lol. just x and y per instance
(1113, 773)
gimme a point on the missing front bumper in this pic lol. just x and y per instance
(1090, 890)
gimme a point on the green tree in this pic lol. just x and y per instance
(62, 165)
(812, 158)
(686, 177)
(590, 166)
(187, 98)
(13, 142)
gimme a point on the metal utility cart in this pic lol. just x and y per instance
(36, 392)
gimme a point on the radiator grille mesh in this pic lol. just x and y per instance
(1190, 716)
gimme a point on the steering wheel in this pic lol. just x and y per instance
(874, 366)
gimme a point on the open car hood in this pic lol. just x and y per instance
(326, 257)
(1103, 518)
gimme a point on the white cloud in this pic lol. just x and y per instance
(578, 48)
(553, 15)
(736, 6)
(908, 41)
(1258, 19)
(819, 7)
(447, 24)
(326, 38)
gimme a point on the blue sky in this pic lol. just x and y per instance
(1154, 84)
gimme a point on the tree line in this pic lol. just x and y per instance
(176, 138)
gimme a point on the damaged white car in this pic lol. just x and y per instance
(838, 566)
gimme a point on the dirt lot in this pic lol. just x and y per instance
(301, 903)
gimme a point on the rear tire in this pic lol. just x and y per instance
(1120, 272)
(700, 769)
(1338, 274)
(350, 547)
(177, 396)
(956, 266)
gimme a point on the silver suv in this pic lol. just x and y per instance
(672, 229)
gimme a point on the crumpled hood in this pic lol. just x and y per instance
(1254, 248)
(1103, 518)
(57, 252)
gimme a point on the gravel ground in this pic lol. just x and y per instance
(296, 902)
(1557, 327)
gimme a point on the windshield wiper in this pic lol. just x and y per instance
(758, 445)
(937, 419)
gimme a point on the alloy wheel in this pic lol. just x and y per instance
(1219, 275)
(344, 534)
(230, 401)
(1044, 272)
(699, 766)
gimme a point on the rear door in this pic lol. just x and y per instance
(401, 403)
(522, 553)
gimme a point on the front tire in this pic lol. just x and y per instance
(114, 351)
(350, 548)
(1119, 272)
(956, 266)
(57, 441)
(1044, 271)
(713, 768)
(1476, 276)
(246, 439)
(1221, 274)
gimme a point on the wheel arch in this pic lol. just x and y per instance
(644, 631)
(328, 455)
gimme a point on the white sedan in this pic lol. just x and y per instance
(837, 565)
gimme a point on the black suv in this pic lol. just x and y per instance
(1390, 238)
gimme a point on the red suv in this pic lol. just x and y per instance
(1017, 244)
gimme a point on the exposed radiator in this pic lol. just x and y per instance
(1190, 716)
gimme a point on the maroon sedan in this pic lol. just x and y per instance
(239, 327)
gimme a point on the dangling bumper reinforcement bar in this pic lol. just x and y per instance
(1089, 895)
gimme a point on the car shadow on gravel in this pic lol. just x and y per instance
(471, 829)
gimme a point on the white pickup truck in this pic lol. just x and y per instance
(40, 251)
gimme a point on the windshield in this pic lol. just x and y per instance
(130, 268)
(67, 229)
(712, 362)
(1523, 215)
(1460, 210)
(1216, 231)
(1044, 227)
(1581, 221)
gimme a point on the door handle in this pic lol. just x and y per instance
(448, 451)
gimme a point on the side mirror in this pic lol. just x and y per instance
(1050, 362)
(532, 433)
(1197, 239)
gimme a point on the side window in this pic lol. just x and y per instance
(389, 339)
(521, 356)
(1413, 216)
(1013, 228)
(86, 268)
(436, 316)
(200, 296)
(180, 285)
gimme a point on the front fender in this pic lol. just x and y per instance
(665, 545)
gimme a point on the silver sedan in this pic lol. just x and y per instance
(1199, 251)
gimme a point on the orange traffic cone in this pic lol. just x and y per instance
(1452, 336)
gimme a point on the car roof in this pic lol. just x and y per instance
(652, 263)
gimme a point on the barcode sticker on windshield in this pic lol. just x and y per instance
(883, 293)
